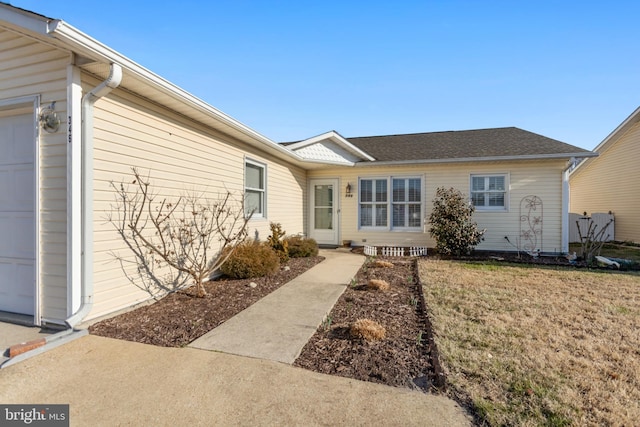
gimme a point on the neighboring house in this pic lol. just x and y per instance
(611, 181)
(56, 253)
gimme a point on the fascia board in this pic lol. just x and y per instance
(21, 20)
(329, 163)
(90, 47)
(615, 135)
(481, 159)
(619, 131)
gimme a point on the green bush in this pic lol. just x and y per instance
(251, 259)
(300, 247)
(452, 223)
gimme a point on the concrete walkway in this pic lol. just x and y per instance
(109, 382)
(280, 324)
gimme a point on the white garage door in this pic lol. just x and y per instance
(17, 221)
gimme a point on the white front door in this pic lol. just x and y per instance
(17, 218)
(324, 215)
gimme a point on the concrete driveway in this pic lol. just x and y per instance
(112, 382)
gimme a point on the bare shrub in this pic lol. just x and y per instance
(378, 285)
(593, 239)
(250, 259)
(367, 329)
(190, 235)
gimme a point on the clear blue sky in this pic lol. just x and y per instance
(569, 70)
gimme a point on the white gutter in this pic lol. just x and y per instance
(86, 287)
(478, 159)
(566, 197)
(85, 45)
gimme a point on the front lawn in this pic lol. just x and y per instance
(537, 346)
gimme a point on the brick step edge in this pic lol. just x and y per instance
(23, 347)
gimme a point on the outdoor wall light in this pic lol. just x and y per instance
(49, 118)
(348, 190)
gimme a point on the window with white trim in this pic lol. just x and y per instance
(400, 211)
(489, 192)
(373, 203)
(255, 193)
(406, 212)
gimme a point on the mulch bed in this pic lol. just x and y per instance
(403, 357)
(406, 357)
(181, 317)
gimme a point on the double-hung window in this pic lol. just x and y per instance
(255, 189)
(406, 203)
(374, 205)
(392, 203)
(489, 192)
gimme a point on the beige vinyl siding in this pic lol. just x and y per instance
(542, 179)
(180, 156)
(611, 182)
(27, 68)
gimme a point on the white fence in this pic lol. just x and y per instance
(393, 251)
(599, 219)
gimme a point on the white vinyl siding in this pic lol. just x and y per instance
(31, 68)
(180, 156)
(611, 182)
(526, 178)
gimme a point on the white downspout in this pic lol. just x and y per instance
(86, 286)
(565, 206)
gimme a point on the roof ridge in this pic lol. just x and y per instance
(432, 133)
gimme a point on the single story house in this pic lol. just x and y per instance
(607, 183)
(76, 116)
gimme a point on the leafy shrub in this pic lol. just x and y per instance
(280, 246)
(451, 223)
(300, 247)
(250, 259)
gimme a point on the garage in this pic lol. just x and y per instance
(17, 207)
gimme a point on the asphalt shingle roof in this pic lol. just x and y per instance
(497, 142)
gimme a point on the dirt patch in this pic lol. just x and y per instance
(403, 357)
(181, 317)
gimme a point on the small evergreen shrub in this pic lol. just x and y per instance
(452, 223)
(301, 247)
(251, 259)
(275, 240)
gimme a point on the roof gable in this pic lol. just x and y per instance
(329, 147)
